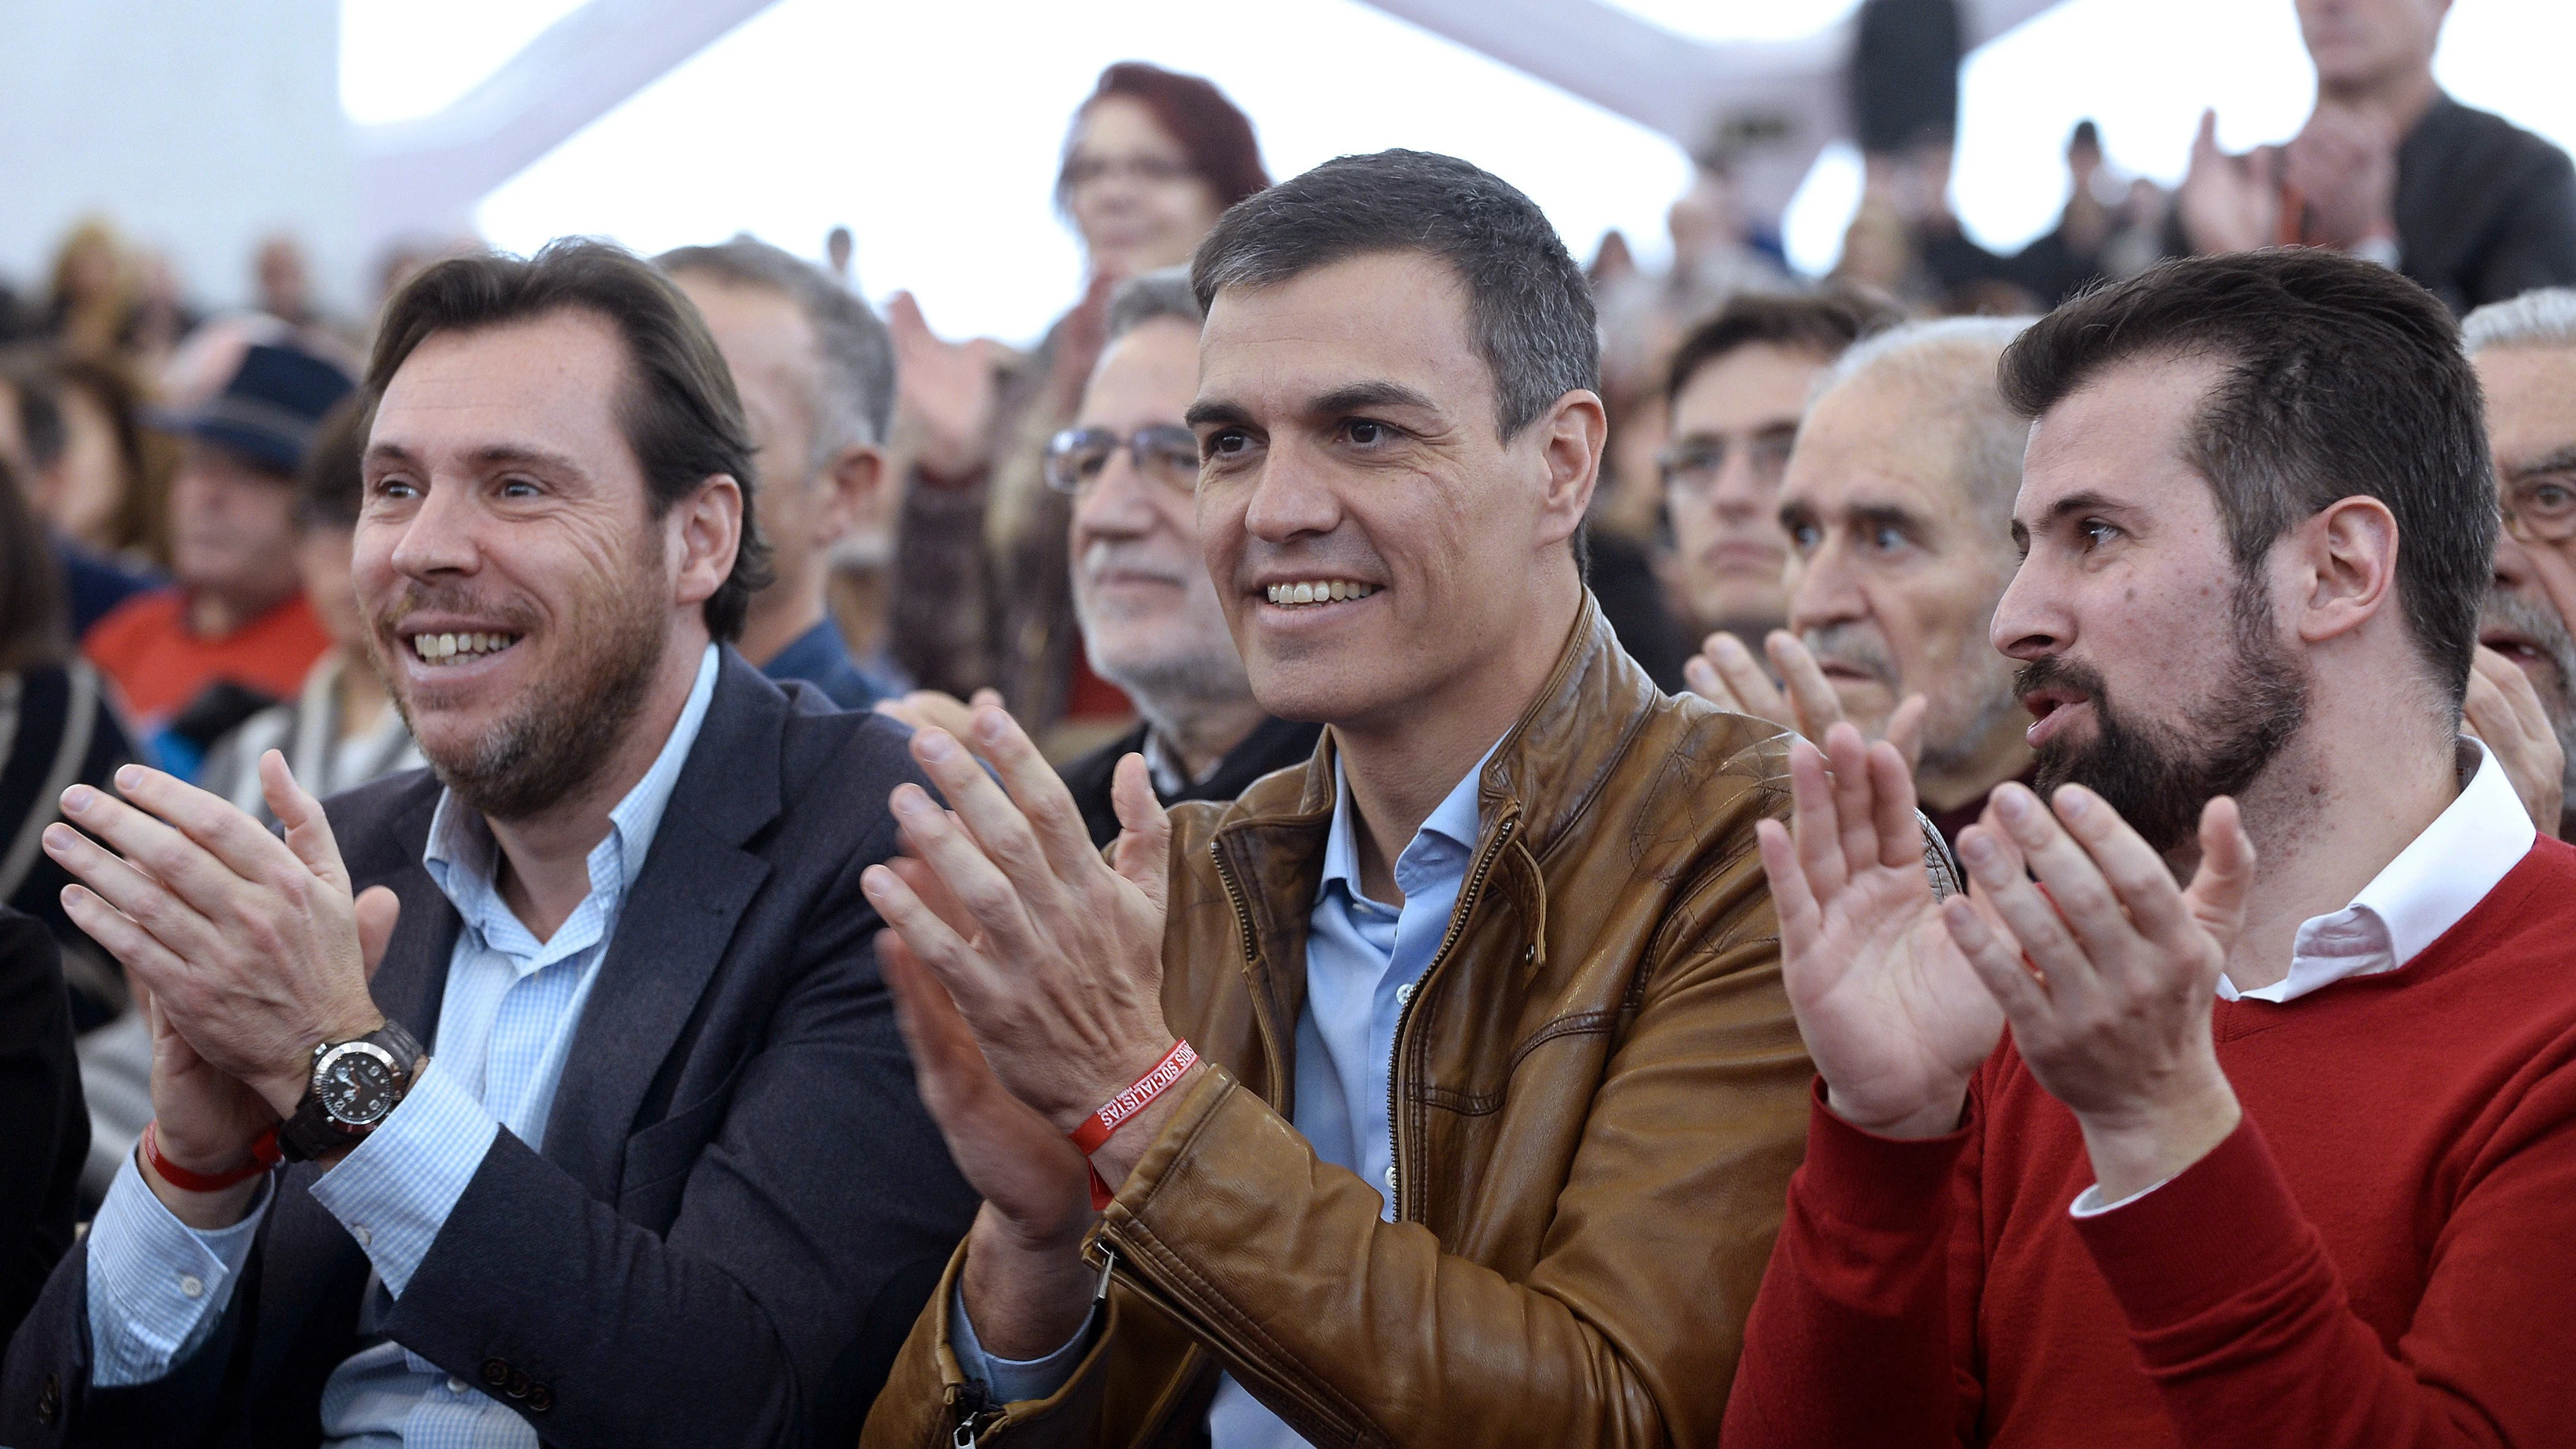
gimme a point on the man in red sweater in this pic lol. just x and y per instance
(2283, 1158)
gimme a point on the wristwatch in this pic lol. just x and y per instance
(355, 1084)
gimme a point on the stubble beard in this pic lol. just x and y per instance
(2157, 775)
(564, 731)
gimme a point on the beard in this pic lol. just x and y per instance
(564, 732)
(2157, 775)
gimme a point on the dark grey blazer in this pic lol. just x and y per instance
(740, 1206)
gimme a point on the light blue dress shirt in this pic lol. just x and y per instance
(1363, 958)
(512, 1003)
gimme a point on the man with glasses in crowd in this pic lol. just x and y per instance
(1149, 612)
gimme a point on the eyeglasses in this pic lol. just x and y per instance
(1081, 171)
(2540, 507)
(1690, 468)
(1168, 454)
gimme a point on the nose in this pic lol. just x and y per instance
(1292, 496)
(2513, 568)
(1119, 503)
(2031, 620)
(1739, 493)
(438, 537)
(1825, 587)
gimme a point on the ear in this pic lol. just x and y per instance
(854, 494)
(1571, 437)
(2348, 556)
(705, 533)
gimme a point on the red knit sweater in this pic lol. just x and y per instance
(2384, 1254)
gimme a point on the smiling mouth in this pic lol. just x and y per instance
(449, 649)
(2514, 647)
(1321, 591)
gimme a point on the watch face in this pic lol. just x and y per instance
(355, 1083)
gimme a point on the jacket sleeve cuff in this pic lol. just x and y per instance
(1884, 1184)
(1013, 1380)
(395, 1190)
(2199, 1239)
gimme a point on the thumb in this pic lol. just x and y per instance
(903, 316)
(378, 909)
(2216, 897)
(982, 697)
(308, 830)
(1144, 848)
(2206, 141)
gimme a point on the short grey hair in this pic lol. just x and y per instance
(854, 377)
(2541, 317)
(1957, 356)
(1152, 297)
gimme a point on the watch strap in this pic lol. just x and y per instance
(312, 1131)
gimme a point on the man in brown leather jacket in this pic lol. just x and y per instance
(1496, 1093)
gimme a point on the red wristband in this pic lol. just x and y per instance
(1113, 1114)
(263, 1152)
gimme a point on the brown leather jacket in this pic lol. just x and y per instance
(1600, 1093)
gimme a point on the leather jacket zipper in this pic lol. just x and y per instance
(1404, 1014)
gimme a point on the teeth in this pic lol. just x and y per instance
(1329, 591)
(444, 648)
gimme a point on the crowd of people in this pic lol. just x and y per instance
(1385, 838)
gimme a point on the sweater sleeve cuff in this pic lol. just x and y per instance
(1882, 1183)
(2198, 1239)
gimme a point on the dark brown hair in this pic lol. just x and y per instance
(679, 409)
(2341, 379)
(1212, 131)
(1825, 323)
(31, 583)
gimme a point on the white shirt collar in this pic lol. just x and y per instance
(459, 839)
(2435, 881)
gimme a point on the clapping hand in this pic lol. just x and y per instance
(945, 390)
(1725, 674)
(2229, 203)
(2504, 711)
(2105, 968)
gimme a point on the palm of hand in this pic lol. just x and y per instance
(205, 1116)
(1891, 1009)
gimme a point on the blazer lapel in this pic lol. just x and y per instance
(679, 916)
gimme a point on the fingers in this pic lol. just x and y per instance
(1905, 729)
(939, 947)
(2216, 898)
(1998, 961)
(2029, 915)
(1749, 691)
(308, 830)
(1815, 825)
(143, 955)
(378, 908)
(2204, 142)
(1810, 694)
(935, 894)
(1044, 803)
(1855, 798)
(1144, 847)
(198, 843)
(119, 888)
(1791, 899)
(2141, 884)
(1900, 839)
(999, 867)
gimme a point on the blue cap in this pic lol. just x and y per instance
(272, 407)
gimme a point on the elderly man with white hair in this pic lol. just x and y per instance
(1898, 504)
(2525, 354)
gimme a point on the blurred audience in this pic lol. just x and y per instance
(2111, 229)
(980, 590)
(341, 729)
(2390, 167)
(234, 633)
(815, 371)
(57, 730)
(40, 1116)
(1738, 385)
(68, 426)
(1898, 503)
(1141, 589)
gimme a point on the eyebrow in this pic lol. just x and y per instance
(2562, 460)
(494, 455)
(1352, 397)
(2084, 502)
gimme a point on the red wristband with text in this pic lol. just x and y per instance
(264, 1155)
(1096, 1129)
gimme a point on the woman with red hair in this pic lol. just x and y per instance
(981, 597)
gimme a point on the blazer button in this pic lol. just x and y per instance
(495, 1372)
(540, 1398)
(49, 1400)
(517, 1388)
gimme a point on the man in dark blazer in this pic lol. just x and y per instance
(659, 1175)
(41, 1117)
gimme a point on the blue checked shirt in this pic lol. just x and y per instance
(1362, 960)
(157, 1287)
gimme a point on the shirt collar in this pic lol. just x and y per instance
(2432, 884)
(461, 845)
(1448, 835)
